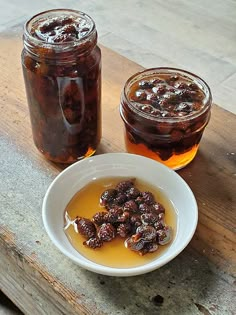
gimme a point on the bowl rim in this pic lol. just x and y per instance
(110, 271)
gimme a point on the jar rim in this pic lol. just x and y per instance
(167, 70)
(59, 44)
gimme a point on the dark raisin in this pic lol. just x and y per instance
(135, 220)
(120, 199)
(130, 206)
(100, 217)
(165, 153)
(151, 97)
(85, 227)
(164, 236)
(146, 232)
(171, 99)
(93, 242)
(132, 193)
(193, 86)
(106, 232)
(144, 208)
(140, 95)
(124, 229)
(149, 218)
(49, 25)
(114, 214)
(145, 84)
(148, 197)
(66, 20)
(139, 200)
(163, 103)
(161, 217)
(68, 29)
(159, 90)
(107, 196)
(158, 208)
(147, 109)
(125, 185)
(135, 245)
(183, 107)
(124, 217)
(149, 247)
(61, 38)
(187, 95)
(182, 86)
(159, 225)
(156, 81)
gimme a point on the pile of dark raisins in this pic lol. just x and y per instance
(130, 214)
(167, 96)
(61, 29)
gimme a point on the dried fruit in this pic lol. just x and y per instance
(149, 218)
(132, 193)
(124, 229)
(120, 199)
(144, 208)
(93, 242)
(149, 248)
(130, 206)
(85, 227)
(164, 236)
(106, 232)
(124, 217)
(145, 84)
(133, 244)
(125, 185)
(107, 196)
(131, 214)
(135, 220)
(158, 208)
(114, 214)
(148, 197)
(100, 217)
(146, 232)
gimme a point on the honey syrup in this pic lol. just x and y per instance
(85, 203)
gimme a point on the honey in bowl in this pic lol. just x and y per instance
(86, 203)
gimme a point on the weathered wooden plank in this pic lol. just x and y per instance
(34, 272)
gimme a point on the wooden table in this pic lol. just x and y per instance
(40, 280)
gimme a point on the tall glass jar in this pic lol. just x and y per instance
(62, 71)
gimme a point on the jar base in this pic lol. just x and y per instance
(69, 159)
(175, 162)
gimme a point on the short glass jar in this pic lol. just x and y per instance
(62, 71)
(165, 111)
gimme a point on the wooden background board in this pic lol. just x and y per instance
(40, 280)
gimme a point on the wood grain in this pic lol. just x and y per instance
(26, 274)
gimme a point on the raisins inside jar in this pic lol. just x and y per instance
(62, 71)
(167, 121)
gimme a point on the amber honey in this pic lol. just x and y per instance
(114, 254)
(176, 161)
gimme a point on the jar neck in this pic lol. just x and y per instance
(40, 45)
(60, 53)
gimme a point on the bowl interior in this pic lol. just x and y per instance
(75, 177)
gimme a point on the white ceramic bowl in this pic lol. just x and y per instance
(73, 178)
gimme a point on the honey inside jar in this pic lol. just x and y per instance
(61, 64)
(165, 112)
(114, 254)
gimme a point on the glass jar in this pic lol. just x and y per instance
(62, 71)
(165, 111)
